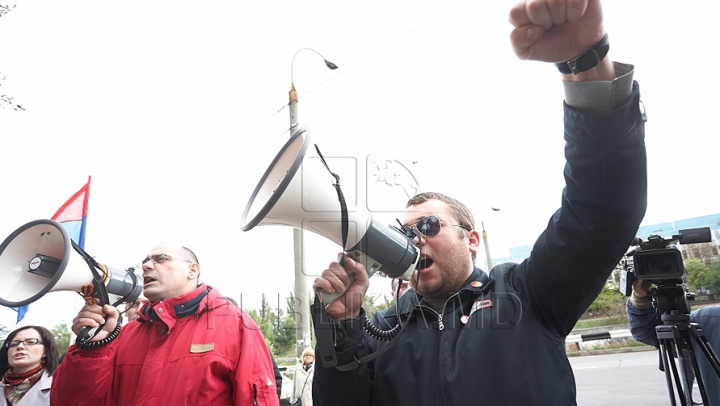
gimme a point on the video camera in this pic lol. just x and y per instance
(657, 260)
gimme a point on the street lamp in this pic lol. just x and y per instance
(293, 93)
(485, 241)
(302, 308)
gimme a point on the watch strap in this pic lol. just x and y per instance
(586, 61)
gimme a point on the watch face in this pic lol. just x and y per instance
(35, 263)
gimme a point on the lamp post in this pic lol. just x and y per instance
(293, 93)
(302, 308)
(488, 258)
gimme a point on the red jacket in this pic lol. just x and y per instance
(215, 355)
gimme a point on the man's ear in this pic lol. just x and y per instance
(194, 271)
(474, 240)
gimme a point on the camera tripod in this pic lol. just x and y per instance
(676, 336)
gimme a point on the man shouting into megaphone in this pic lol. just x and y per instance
(188, 346)
(469, 337)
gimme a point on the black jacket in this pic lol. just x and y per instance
(501, 339)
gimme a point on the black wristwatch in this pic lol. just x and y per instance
(586, 61)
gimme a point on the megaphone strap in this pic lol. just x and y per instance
(343, 205)
(325, 332)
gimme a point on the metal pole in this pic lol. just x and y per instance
(302, 307)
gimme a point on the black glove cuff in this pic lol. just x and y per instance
(586, 61)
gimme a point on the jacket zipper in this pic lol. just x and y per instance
(441, 326)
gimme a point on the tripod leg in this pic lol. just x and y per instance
(689, 365)
(697, 334)
(668, 364)
(705, 346)
(685, 360)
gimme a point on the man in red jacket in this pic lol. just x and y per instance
(189, 347)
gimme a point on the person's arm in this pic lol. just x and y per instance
(254, 379)
(346, 318)
(604, 199)
(95, 366)
(642, 316)
(278, 376)
(348, 388)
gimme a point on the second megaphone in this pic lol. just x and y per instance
(40, 257)
(297, 190)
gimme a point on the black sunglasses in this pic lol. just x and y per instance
(430, 226)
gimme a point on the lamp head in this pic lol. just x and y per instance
(330, 65)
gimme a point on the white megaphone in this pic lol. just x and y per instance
(40, 257)
(298, 190)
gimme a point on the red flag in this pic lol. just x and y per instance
(73, 214)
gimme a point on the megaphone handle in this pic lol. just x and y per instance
(358, 256)
(328, 298)
(87, 345)
(87, 333)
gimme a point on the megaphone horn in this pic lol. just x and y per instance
(40, 257)
(297, 190)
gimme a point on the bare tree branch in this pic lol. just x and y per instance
(6, 100)
(4, 9)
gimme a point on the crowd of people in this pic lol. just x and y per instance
(495, 336)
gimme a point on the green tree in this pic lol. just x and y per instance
(62, 337)
(4, 331)
(713, 278)
(264, 319)
(284, 334)
(385, 304)
(609, 302)
(290, 301)
(285, 328)
(697, 272)
(369, 304)
(701, 276)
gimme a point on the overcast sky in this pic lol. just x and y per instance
(177, 108)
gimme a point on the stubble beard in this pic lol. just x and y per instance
(456, 268)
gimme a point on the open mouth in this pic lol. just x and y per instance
(424, 262)
(147, 279)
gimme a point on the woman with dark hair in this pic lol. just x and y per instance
(28, 358)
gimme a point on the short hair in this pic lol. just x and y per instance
(189, 253)
(192, 257)
(308, 351)
(462, 214)
(51, 349)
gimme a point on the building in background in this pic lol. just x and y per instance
(665, 230)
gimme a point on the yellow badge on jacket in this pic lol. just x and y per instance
(200, 348)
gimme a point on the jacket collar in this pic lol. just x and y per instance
(476, 283)
(44, 382)
(174, 308)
